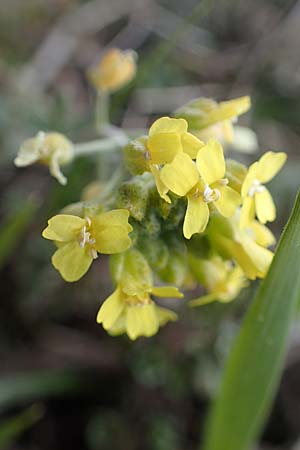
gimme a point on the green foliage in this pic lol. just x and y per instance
(255, 363)
(15, 226)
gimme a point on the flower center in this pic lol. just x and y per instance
(256, 187)
(87, 239)
(136, 300)
(210, 195)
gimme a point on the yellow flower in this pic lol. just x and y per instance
(136, 314)
(167, 138)
(80, 240)
(115, 69)
(202, 183)
(221, 278)
(256, 197)
(208, 119)
(130, 308)
(247, 247)
(52, 149)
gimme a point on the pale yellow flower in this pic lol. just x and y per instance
(79, 240)
(257, 200)
(221, 278)
(51, 149)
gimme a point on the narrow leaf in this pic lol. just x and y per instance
(256, 361)
(12, 428)
(12, 230)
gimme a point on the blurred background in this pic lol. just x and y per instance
(64, 383)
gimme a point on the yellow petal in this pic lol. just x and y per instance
(141, 321)
(119, 326)
(269, 165)
(72, 261)
(111, 309)
(168, 125)
(227, 130)
(232, 108)
(228, 202)
(264, 205)
(163, 147)
(55, 170)
(190, 144)
(111, 240)
(115, 217)
(210, 162)
(110, 230)
(166, 291)
(63, 227)
(135, 274)
(181, 175)
(196, 217)
(203, 300)
(247, 212)
(260, 257)
(160, 186)
(262, 235)
(28, 153)
(250, 177)
(165, 315)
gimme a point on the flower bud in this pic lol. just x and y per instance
(115, 69)
(236, 173)
(205, 112)
(135, 156)
(134, 194)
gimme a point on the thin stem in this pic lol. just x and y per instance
(107, 144)
(95, 147)
(102, 111)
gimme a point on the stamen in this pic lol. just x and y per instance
(210, 195)
(223, 181)
(256, 187)
(85, 236)
(147, 155)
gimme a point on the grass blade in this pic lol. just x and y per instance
(12, 428)
(255, 364)
(13, 229)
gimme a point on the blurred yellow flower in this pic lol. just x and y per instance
(221, 278)
(80, 240)
(202, 183)
(51, 149)
(115, 69)
(247, 247)
(256, 197)
(208, 119)
(136, 314)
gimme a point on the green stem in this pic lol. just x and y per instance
(107, 144)
(102, 111)
(95, 147)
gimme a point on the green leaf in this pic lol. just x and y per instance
(15, 226)
(31, 386)
(256, 361)
(11, 428)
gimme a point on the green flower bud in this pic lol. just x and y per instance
(156, 252)
(205, 112)
(236, 173)
(134, 195)
(135, 156)
(132, 271)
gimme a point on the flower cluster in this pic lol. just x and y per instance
(187, 217)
